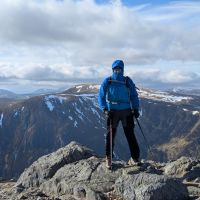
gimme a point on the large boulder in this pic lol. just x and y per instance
(185, 167)
(46, 166)
(88, 173)
(144, 186)
(129, 183)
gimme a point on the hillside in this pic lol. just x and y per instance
(42, 124)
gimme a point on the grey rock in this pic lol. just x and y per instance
(194, 191)
(6, 191)
(79, 192)
(185, 167)
(90, 173)
(46, 166)
(66, 197)
(197, 180)
(145, 186)
(19, 188)
(80, 174)
(31, 194)
(94, 195)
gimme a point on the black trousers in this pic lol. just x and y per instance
(126, 117)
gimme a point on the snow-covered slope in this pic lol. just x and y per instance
(163, 96)
(83, 89)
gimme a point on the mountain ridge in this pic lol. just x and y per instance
(42, 124)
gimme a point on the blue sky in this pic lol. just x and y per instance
(54, 44)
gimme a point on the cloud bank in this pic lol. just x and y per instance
(51, 40)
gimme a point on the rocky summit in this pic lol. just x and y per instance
(75, 172)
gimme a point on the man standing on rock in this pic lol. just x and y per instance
(119, 100)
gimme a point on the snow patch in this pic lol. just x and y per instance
(78, 110)
(49, 105)
(22, 108)
(91, 87)
(94, 86)
(80, 113)
(184, 109)
(70, 117)
(195, 112)
(162, 96)
(16, 113)
(51, 100)
(95, 112)
(81, 101)
(1, 120)
(93, 100)
(79, 88)
(75, 124)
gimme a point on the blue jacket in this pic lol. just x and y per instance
(103, 91)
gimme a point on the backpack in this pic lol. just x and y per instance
(118, 91)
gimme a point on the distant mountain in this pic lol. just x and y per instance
(41, 124)
(7, 94)
(43, 91)
(7, 98)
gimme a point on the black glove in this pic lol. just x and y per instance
(136, 113)
(107, 113)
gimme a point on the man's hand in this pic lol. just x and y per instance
(136, 113)
(107, 113)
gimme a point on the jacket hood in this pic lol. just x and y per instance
(118, 63)
(118, 76)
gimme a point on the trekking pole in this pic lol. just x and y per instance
(145, 139)
(111, 133)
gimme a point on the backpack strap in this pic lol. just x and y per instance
(126, 81)
(128, 86)
(110, 80)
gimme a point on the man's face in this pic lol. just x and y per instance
(117, 70)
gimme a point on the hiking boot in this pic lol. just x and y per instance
(108, 162)
(134, 162)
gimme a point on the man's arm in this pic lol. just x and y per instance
(102, 94)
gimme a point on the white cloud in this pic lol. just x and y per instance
(171, 76)
(177, 76)
(61, 40)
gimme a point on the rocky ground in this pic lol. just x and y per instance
(75, 172)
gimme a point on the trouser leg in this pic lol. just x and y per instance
(130, 136)
(114, 130)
